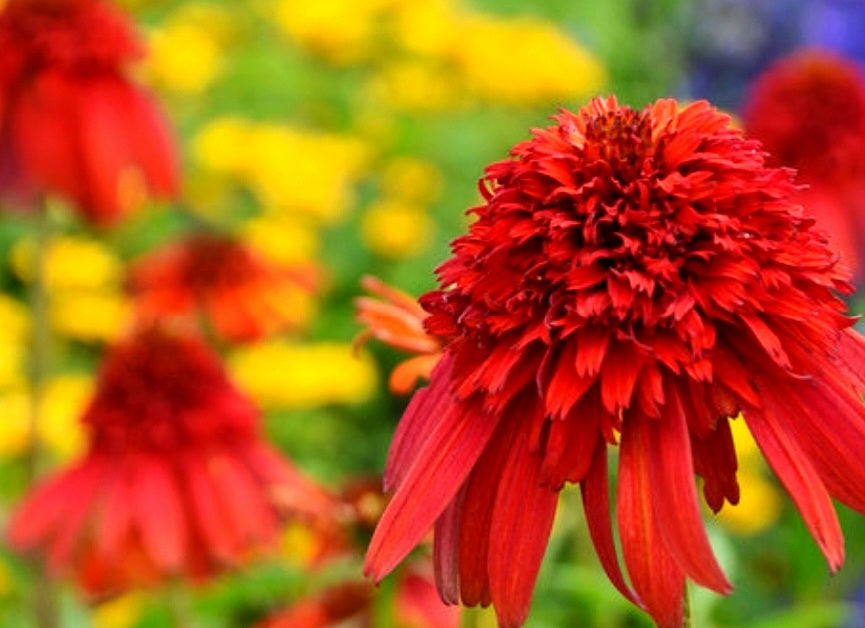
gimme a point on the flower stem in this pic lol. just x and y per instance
(687, 621)
(44, 602)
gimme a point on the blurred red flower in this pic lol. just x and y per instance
(243, 296)
(632, 276)
(808, 110)
(177, 479)
(416, 604)
(71, 122)
(395, 318)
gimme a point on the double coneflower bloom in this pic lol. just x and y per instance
(177, 479)
(71, 122)
(639, 279)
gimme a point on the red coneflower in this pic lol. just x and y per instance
(396, 319)
(177, 479)
(71, 122)
(808, 110)
(243, 296)
(633, 277)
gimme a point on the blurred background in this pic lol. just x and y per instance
(344, 138)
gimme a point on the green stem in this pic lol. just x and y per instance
(44, 602)
(687, 621)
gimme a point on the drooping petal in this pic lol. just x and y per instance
(798, 476)
(438, 471)
(519, 533)
(674, 494)
(596, 504)
(446, 550)
(426, 408)
(655, 575)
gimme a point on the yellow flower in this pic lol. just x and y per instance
(395, 230)
(412, 180)
(118, 612)
(524, 60)
(63, 401)
(426, 28)
(90, 315)
(279, 374)
(299, 544)
(219, 145)
(341, 32)
(416, 85)
(14, 331)
(283, 240)
(71, 263)
(301, 172)
(183, 57)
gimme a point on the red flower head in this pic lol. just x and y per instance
(397, 320)
(635, 278)
(244, 297)
(177, 479)
(70, 120)
(808, 110)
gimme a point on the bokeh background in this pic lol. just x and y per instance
(346, 137)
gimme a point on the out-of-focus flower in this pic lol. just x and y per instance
(71, 122)
(195, 69)
(395, 229)
(808, 110)
(243, 297)
(342, 32)
(268, 234)
(176, 479)
(410, 179)
(417, 85)
(395, 318)
(83, 278)
(14, 331)
(122, 611)
(523, 61)
(282, 374)
(289, 170)
(63, 399)
(416, 604)
(635, 277)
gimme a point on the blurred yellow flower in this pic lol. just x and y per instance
(396, 230)
(760, 502)
(63, 402)
(71, 263)
(282, 239)
(280, 374)
(341, 32)
(288, 169)
(90, 315)
(14, 331)
(524, 60)
(426, 28)
(299, 544)
(191, 71)
(304, 172)
(416, 85)
(119, 612)
(411, 179)
(219, 145)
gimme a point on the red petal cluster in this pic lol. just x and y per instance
(177, 479)
(242, 295)
(71, 123)
(633, 278)
(808, 110)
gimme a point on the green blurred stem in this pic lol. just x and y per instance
(44, 598)
(687, 622)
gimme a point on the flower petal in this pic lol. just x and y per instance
(801, 480)
(519, 532)
(436, 474)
